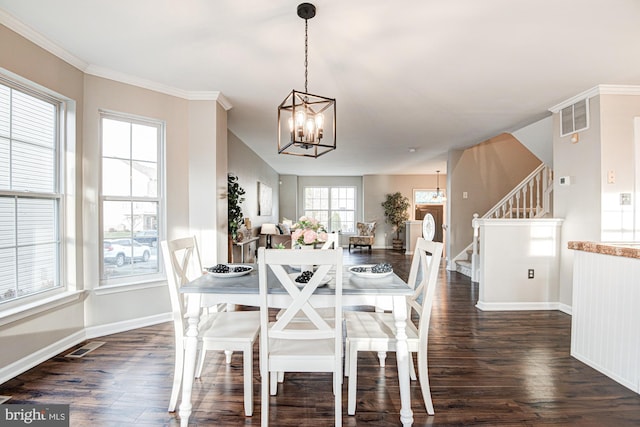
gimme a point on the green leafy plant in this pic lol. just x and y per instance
(395, 211)
(235, 197)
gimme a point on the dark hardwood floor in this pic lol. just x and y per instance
(486, 368)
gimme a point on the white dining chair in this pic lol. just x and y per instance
(332, 242)
(375, 331)
(289, 345)
(223, 331)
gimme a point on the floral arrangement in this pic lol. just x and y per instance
(308, 231)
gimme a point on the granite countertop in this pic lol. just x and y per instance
(623, 249)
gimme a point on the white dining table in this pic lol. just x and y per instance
(387, 292)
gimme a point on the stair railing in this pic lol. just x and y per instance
(529, 199)
(516, 204)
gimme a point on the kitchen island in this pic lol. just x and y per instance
(605, 325)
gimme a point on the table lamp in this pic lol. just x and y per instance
(268, 230)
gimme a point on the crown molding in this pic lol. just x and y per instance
(106, 73)
(604, 89)
(35, 37)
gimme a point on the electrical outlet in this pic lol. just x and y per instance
(530, 273)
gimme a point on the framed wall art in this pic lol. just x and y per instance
(265, 199)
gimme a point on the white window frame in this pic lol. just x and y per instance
(63, 183)
(127, 280)
(330, 209)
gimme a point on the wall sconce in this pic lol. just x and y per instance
(575, 138)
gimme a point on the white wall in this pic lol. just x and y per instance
(538, 138)
(508, 249)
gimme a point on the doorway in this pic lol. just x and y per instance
(437, 212)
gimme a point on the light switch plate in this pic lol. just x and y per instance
(565, 180)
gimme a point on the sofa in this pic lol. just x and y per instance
(278, 234)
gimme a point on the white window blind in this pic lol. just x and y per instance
(29, 195)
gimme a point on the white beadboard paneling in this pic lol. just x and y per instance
(605, 320)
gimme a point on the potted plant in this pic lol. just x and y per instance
(234, 199)
(395, 212)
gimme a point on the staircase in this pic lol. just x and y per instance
(529, 199)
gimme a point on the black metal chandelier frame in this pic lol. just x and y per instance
(302, 116)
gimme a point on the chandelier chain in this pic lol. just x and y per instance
(306, 53)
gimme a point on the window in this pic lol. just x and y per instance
(333, 206)
(424, 197)
(131, 210)
(30, 198)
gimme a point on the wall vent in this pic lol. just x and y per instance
(574, 118)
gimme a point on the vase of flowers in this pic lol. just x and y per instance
(308, 232)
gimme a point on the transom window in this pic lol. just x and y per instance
(30, 198)
(130, 197)
(334, 207)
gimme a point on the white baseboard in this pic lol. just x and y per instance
(19, 366)
(614, 376)
(126, 325)
(34, 359)
(567, 309)
(517, 306)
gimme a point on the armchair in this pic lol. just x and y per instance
(365, 237)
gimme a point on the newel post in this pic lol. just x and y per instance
(474, 255)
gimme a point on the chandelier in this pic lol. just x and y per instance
(306, 122)
(439, 196)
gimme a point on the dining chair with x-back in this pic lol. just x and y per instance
(223, 331)
(289, 345)
(375, 331)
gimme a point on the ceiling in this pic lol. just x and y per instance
(431, 75)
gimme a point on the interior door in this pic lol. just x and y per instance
(437, 212)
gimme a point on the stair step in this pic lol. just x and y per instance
(463, 267)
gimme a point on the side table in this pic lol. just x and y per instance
(243, 243)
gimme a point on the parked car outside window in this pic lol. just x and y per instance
(124, 251)
(147, 237)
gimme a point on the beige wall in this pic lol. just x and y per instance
(579, 203)
(22, 338)
(486, 172)
(109, 95)
(591, 206)
(619, 155)
(194, 160)
(375, 189)
(251, 169)
(207, 183)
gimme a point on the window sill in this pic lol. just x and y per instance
(23, 311)
(127, 287)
